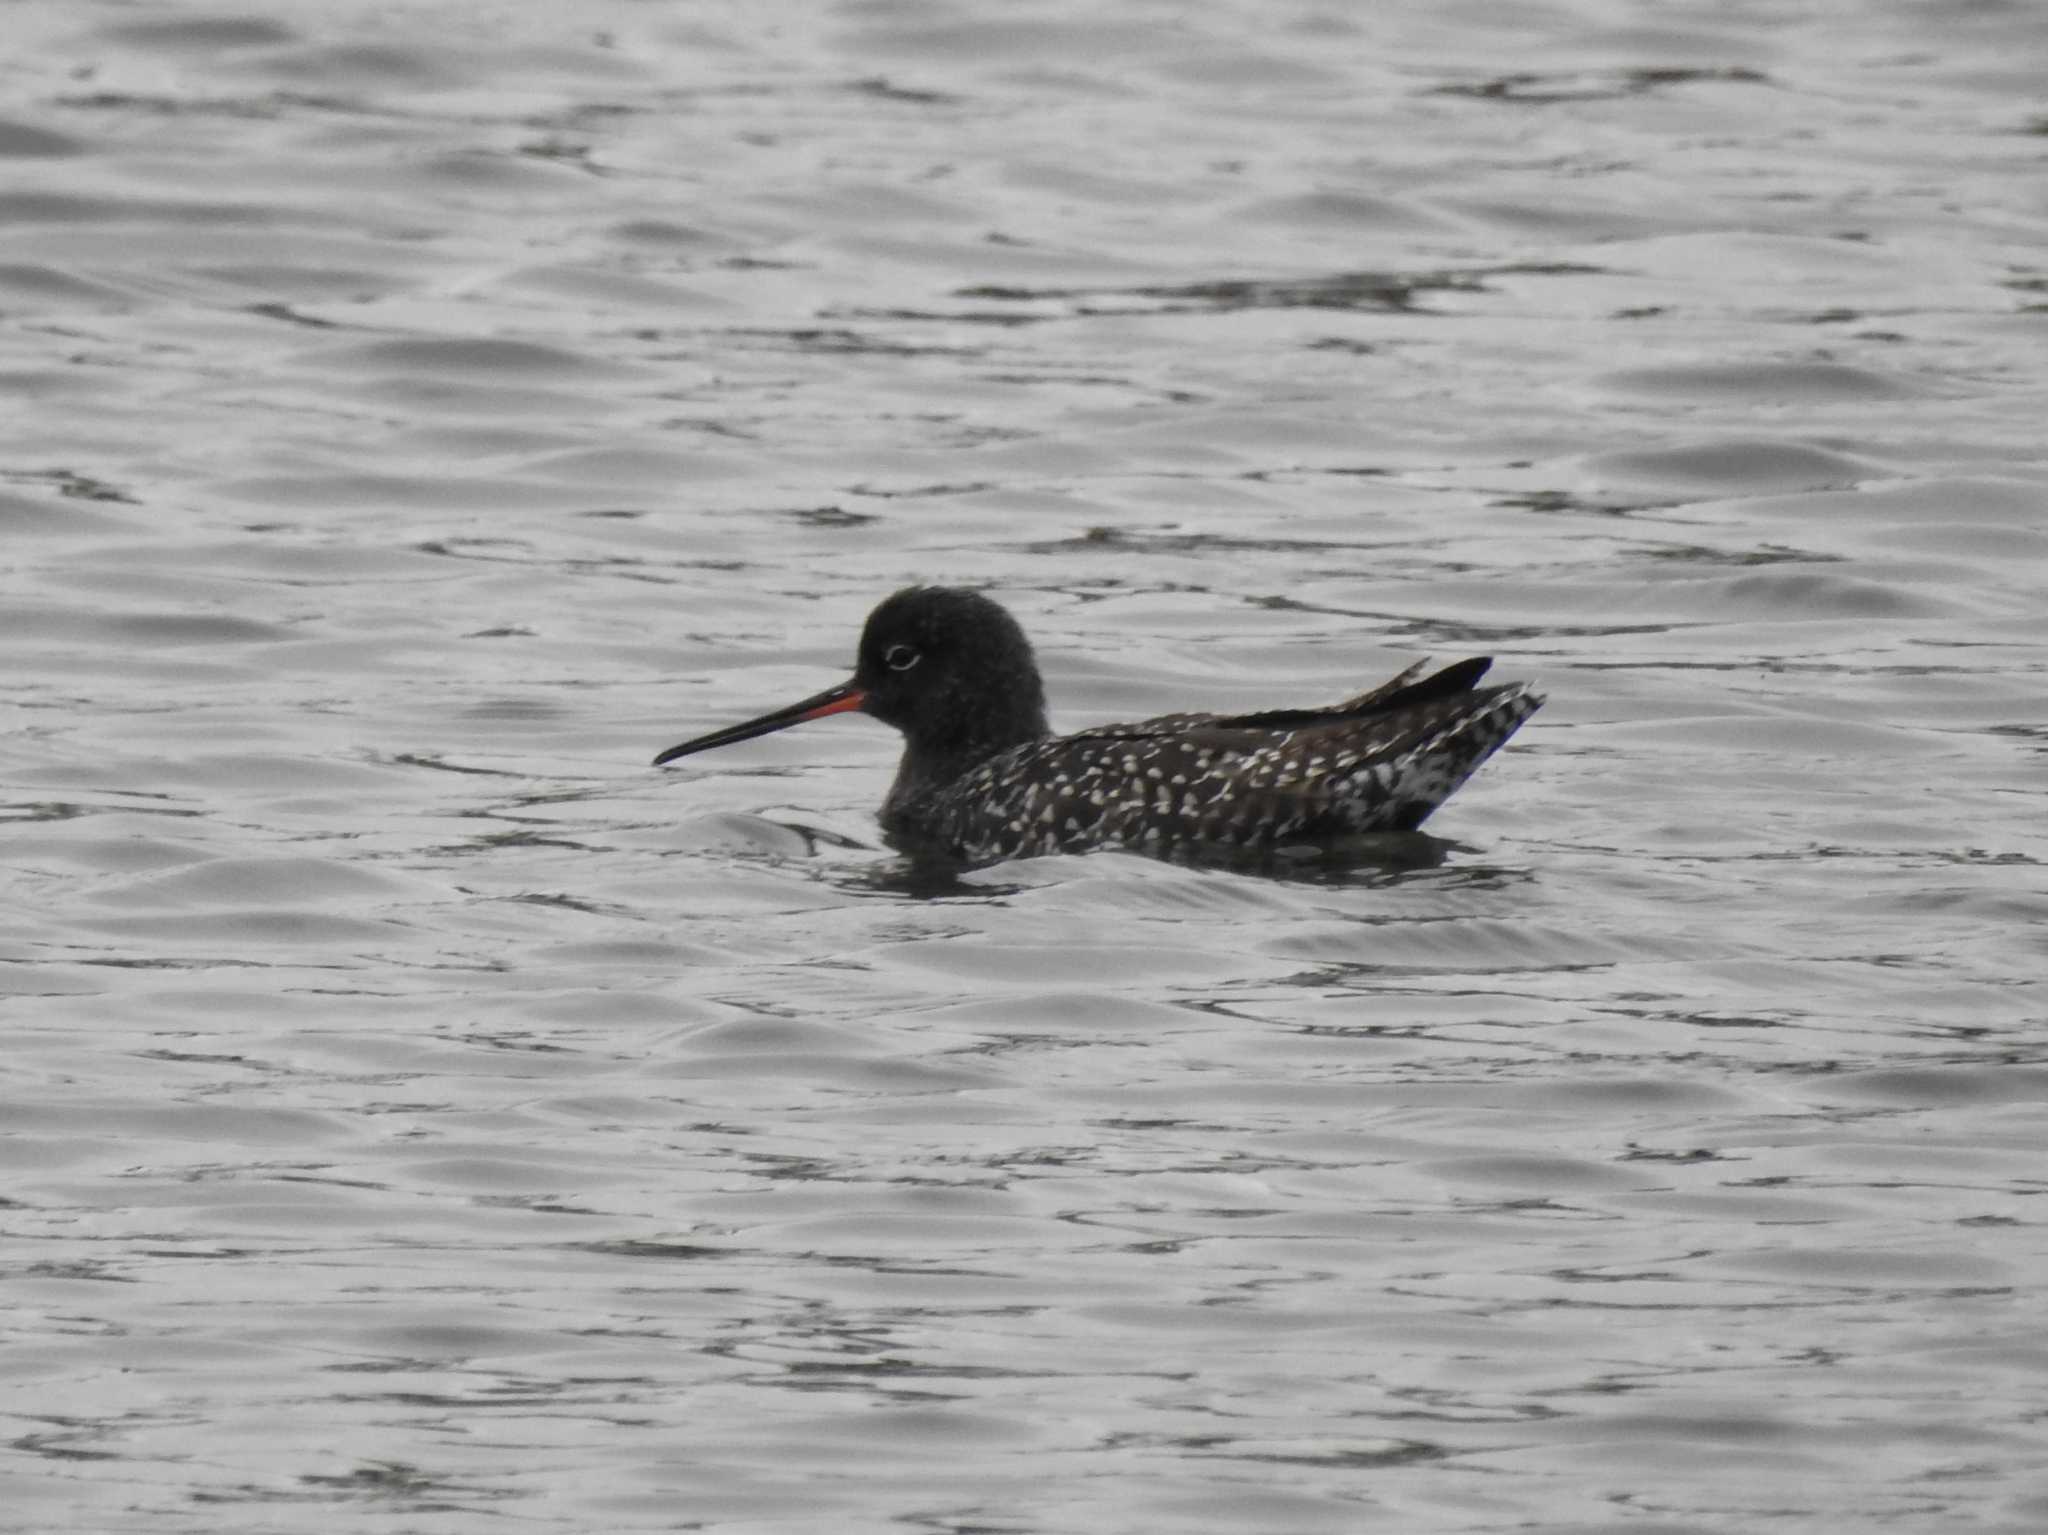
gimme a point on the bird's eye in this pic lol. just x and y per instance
(901, 657)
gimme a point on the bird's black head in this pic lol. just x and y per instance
(952, 670)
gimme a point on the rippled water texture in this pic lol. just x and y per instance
(420, 1115)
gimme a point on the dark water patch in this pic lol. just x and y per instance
(489, 173)
(43, 810)
(1058, 1012)
(429, 760)
(471, 356)
(2002, 546)
(751, 836)
(833, 1072)
(302, 281)
(399, 1484)
(134, 853)
(560, 151)
(24, 517)
(1701, 554)
(1959, 1274)
(71, 1439)
(75, 486)
(1607, 1095)
(193, 629)
(1394, 292)
(775, 1036)
(1813, 382)
(866, 211)
(1358, 1455)
(667, 234)
(123, 630)
(479, 399)
(630, 957)
(201, 34)
(212, 1122)
(642, 468)
(1546, 1176)
(1939, 501)
(1120, 885)
(558, 900)
(65, 382)
(1799, 595)
(232, 931)
(264, 107)
(882, 88)
(1734, 466)
(613, 291)
(920, 492)
(917, 880)
(21, 141)
(1688, 1156)
(383, 67)
(663, 1249)
(903, 316)
(1096, 540)
(291, 316)
(1941, 1087)
(1253, 70)
(1800, 735)
(354, 492)
(1473, 945)
(1368, 860)
(253, 772)
(830, 517)
(1128, 961)
(840, 341)
(1534, 89)
(1575, 503)
(526, 709)
(1060, 44)
(486, 1174)
(75, 208)
(2018, 911)
(279, 556)
(1342, 211)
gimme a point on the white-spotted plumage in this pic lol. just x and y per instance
(982, 779)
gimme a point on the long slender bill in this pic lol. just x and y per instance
(832, 701)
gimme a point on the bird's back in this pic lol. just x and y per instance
(1382, 761)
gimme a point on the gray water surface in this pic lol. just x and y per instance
(419, 1115)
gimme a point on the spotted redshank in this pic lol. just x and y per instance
(983, 779)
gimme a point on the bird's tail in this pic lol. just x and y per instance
(1451, 732)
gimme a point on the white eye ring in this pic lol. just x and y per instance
(901, 658)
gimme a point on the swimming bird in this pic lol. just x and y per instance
(983, 778)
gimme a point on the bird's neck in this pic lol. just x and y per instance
(948, 749)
